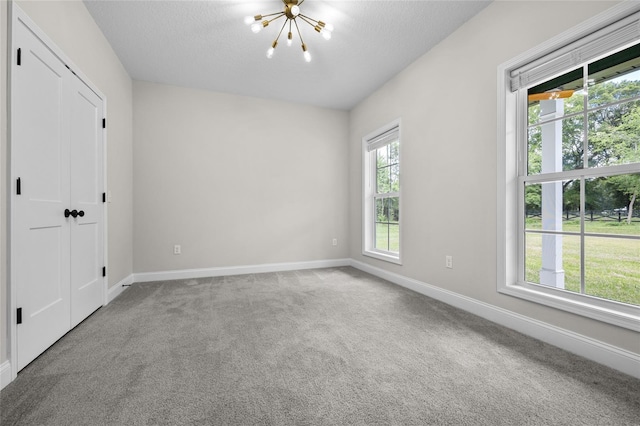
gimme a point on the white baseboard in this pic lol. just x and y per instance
(595, 350)
(5, 374)
(237, 270)
(121, 286)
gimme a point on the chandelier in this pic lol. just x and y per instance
(292, 13)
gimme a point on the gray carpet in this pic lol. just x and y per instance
(327, 347)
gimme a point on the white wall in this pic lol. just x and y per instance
(447, 103)
(73, 30)
(236, 180)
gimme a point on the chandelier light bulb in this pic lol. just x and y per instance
(322, 29)
(295, 10)
(256, 28)
(249, 20)
(289, 39)
(307, 56)
(328, 27)
(272, 49)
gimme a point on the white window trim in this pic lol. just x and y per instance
(368, 212)
(509, 242)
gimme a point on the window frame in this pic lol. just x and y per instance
(511, 156)
(369, 167)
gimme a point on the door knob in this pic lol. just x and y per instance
(74, 213)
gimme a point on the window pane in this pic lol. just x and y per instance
(382, 224)
(614, 90)
(612, 269)
(394, 238)
(383, 178)
(394, 152)
(553, 260)
(381, 211)
(612, 204)
(382, 156)
(394, 178)
(382, 236)
(553, 206)
(556, 146)
(393, 209)
(614, 135)
(615, 77)
(387, 231)
(534, 113)
(534, 150)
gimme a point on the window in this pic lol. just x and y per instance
(381, 153)
(571, 175)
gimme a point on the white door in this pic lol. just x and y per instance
(57, 218)
(86, 199)
(40, 152)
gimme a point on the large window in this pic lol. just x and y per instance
(573, 186)
(381, 152)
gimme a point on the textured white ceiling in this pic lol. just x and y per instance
(206, 45)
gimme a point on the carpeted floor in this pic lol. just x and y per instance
(327, 347)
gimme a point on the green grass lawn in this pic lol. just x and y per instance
(596, 227)
(387, 237)
(612, 265)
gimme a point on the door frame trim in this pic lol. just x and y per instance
(15, 15)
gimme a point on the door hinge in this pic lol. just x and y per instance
(104, 123)
(104, 271)
(18, 187)
(19, 58)
(19, 316)
(104, 197)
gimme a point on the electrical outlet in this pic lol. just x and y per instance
(335, 242)
(449, 262)
(177, 249)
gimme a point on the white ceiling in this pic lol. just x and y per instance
(206, 45)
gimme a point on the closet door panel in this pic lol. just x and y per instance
(86, 197)
(40, 154)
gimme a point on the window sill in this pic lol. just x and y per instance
(622, 315)
(387, 257)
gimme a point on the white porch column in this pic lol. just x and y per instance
(552, 273)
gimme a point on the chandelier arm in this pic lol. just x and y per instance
(300, 2)
(280, 33)
(271, 14)
(277, 17)
(298, 30)
(307, 19)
